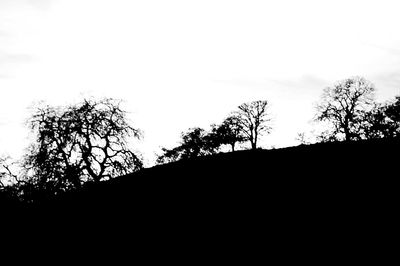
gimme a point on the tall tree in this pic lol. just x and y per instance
(254, 121)
(344, 106)
(79, 143)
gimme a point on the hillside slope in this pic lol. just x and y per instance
(314, 175)
(299, 202)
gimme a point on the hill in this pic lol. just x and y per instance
(303, 179)
(298, 200)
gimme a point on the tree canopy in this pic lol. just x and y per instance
(344, 106)
(229, 132)
(383, 121)
(79, 143)
(195, 142)
(254, 120)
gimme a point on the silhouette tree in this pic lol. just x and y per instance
(79, 143)
(196, 142)
(229, 132)
(383, 121)
(392, 112)
(344, 107)
(253, 120)
(169, 156)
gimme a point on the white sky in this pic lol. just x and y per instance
(180, 64)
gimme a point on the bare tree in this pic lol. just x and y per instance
(78, 143)
(3, 173)
(254, 121)
(344, 106)
(7, 174)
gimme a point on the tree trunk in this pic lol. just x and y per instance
(347, 129)
(253, 140)
(233, 146)
(254, 145)
(347, 134)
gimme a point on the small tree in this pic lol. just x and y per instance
(344, 107)
(229, 132)
(79, 143)
(253, 120)
(196, 142)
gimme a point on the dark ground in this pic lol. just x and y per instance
(330, 173)
(346, 192)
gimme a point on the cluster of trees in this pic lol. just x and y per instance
(88, 141)
(247, 123)
(350, 112)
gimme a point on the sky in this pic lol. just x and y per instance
(182, 64)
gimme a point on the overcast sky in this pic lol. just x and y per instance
(180, 64)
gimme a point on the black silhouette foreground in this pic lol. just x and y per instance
(255, 184)
(307, 202)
